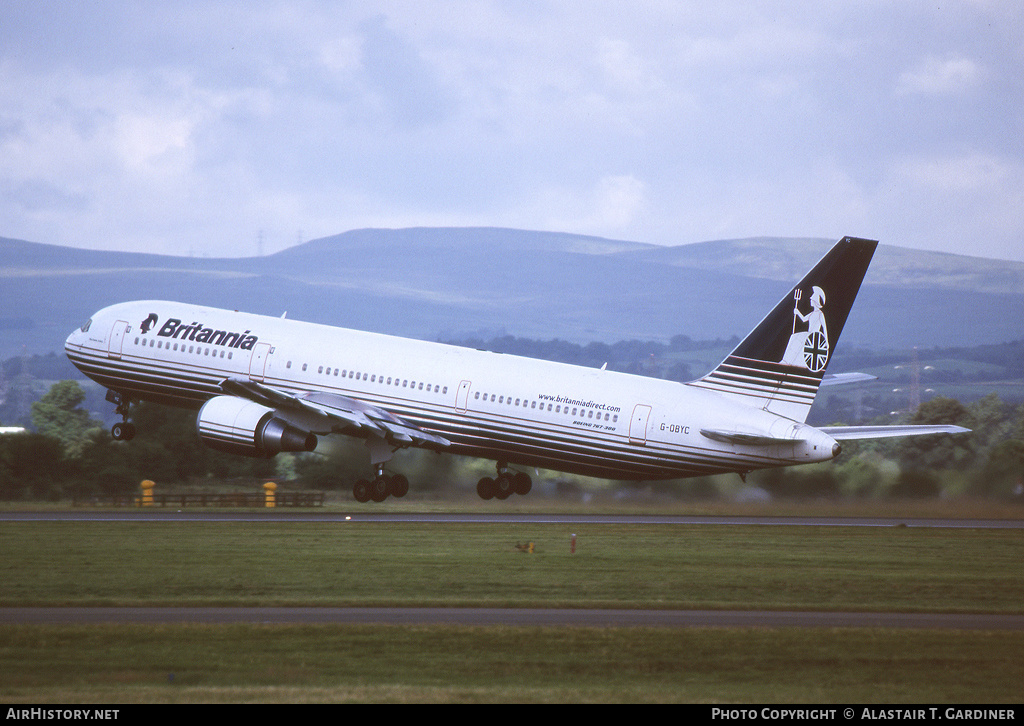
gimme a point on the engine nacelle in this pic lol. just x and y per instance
(238, 426)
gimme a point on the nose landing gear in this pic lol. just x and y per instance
(125, 430)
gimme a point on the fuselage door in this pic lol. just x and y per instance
(638, 424)
(116, 340)
(462, 397)
(258, 362)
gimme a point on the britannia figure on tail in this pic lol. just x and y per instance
(808, 348)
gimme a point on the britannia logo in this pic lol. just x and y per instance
(148, 323)
(808, 347)
(198, 332)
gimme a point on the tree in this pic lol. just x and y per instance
(1004, 471)
(31, 466)
(943, 451)
(57, 414)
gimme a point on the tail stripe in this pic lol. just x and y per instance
(761, 379)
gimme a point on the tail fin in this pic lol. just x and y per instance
(780, 364)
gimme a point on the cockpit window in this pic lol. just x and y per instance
(85, 328)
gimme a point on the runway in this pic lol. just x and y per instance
(525, 617)
(355, 516)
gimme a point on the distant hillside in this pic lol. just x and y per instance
(456, 283)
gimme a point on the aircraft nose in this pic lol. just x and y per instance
(77, 336)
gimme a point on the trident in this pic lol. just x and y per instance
(796, 307)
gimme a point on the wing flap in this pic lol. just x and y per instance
(341, 413)
(846, 433)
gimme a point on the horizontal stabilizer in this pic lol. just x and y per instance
(738, 437)
(847, 433)
(841, 379)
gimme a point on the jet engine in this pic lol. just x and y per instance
(238, 426)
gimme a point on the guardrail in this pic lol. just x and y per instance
(206, 499)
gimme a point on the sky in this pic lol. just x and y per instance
(227, 129)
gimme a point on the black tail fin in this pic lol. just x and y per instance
(779, 366)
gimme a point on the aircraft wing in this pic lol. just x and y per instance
(845, 433)
(325, 412)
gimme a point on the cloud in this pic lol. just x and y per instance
(609, 206)
(940, 77)
(192, 125)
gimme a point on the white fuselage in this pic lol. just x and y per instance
(502, 407)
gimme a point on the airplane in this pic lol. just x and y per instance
(264, 385)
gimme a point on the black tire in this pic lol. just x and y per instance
(485, 488)
(503, 487)
(380, 488)
(399, 486)
(522, 484)
(361, 491)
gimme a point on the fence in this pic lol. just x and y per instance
(207, 499)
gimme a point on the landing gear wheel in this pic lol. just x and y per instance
(380, 488)
(399, 485)
(361, 491)
(522, 484)
(124, 431)
(485, 488)
(503, 486)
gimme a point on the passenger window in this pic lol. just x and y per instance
(304, 367)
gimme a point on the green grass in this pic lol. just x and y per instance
(631, 566)
(352, 563)
(237, 663)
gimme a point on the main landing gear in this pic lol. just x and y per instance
(381, 487)
(505, 485)
(125, 430)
